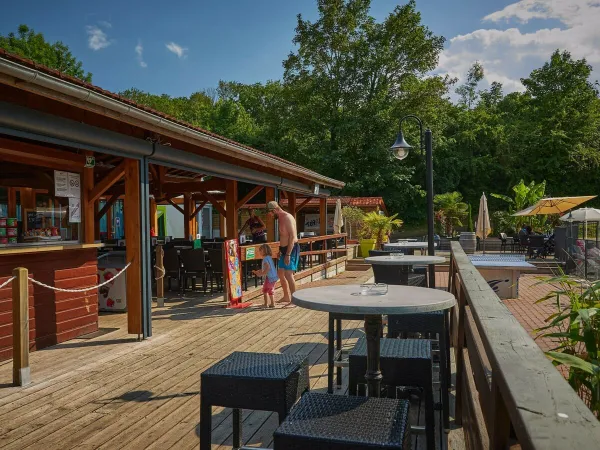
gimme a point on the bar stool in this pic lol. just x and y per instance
(335, 422)
(247, 380)
(404, 362)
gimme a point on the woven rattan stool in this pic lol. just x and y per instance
(404, 362)
(335, 422)
(245, 380)
(435, 322)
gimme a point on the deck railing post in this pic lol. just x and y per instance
(500, 420)
(160, 279)
(20, 305)
(460, 363)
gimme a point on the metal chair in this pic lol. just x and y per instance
(172, 267)
(194, 266)
(215, 257)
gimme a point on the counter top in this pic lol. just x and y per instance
(17, 249)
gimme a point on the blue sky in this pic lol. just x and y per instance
(179, 47)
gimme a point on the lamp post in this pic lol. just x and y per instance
(400, 150)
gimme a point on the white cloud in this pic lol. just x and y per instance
(97, 38)
(139, 50)
(510, 54)
(105, 24)
(180, 51)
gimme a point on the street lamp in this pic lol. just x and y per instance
(400, 150)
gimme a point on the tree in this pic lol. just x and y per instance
(452, 209)
(31, 45)
(468, 91)
(525, 195)
(379, 226)
(353, 218)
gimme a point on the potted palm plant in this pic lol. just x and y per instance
(376, 229)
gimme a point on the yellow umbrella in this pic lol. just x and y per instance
(554, 205)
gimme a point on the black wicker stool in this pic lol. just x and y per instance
(404, 362)
(246, 380)
(335, 422)
(435, 322)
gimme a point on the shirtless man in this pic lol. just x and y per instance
(289, 250)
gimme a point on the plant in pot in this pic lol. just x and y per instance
(378, 228)
(353, 219)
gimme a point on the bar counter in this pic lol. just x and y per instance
(54, 316)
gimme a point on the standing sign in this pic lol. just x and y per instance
(233, 265)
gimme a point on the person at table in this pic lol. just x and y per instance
(289, 250)
(257, 228)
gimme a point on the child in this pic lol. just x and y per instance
(269, 272)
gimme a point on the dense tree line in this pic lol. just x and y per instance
(351, 78)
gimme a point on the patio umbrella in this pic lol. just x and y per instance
(584, 215)
(338, 217)
(483, 220)
(553, 205)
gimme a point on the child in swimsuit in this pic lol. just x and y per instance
(269, 272)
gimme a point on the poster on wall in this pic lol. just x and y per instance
(312, 222)
(234, 274)
(67, 184)
(74, 210)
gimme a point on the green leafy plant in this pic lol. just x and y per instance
(378, 226)
(353, 218)
(451, 209)
(575, 327)
(470, 219)
(525, 195)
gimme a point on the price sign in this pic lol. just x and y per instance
(250, 253)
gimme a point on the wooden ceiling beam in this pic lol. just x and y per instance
(198, 209)
(249, 196)
(109, 202)
(177, 207)
(303, 204)
(185, 187)
(110, 179)
(214, 202)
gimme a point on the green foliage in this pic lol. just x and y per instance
(31, 45)
(377, 226)
(353, 219)
(575, 328)
(470, 219)
(451, 209)
(524, 195)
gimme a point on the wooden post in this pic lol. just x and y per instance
(187, 223)
(323, 228)
(20, 307)
(500, 420)
(96, 220)
(153, 217)
(160, 280)
(270, 222)
(292, 204)
(231, 198)
(12, 202)
(460, 364)
(133, 246)
(27, 204)
(88, 206)
(109, 224)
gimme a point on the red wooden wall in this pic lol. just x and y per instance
(54, 317)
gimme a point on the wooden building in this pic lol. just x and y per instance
(69, 151)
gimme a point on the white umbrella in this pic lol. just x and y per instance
(583, 215)
(338, 218)
(483, 221)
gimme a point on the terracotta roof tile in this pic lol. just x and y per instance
(57, 74)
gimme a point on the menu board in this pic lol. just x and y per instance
(67, 184)
(234, 270)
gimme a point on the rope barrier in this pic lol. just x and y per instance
(6, 282)
(162, 274)
(84, 289)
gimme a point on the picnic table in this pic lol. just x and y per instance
(502, 272)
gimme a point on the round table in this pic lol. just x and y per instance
(398, 300)
(409, 246)
(407, 260)
(393, 270)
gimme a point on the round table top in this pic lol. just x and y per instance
(407, 260)
(407, 240)
(408, 245)
(398, 300)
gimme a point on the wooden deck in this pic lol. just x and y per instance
(113, 392)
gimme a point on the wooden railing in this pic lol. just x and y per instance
(507, 392)
(309, 240)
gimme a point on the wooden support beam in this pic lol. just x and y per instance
(303, 204)
(110, 179)
(231, 198)
(20, 314)
(96, 221)
(40, 155)
(186, 187)
(12, 202)
(282, 194)
(323, 216)
(177, 207)
(109, 224)
(133, 248)
(153, 172)
(161, 172)
(153, 216)
(109, 202)
(160, 278)
(27, 204)
(188, 219)
(270, 221)
(292, 204)
(198, 209)
(213, 201)
(88, 205)
(249, 196)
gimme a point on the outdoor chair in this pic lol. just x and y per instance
(194, 266)
(535, 246)
(172, 267)
(503, 242)
(247, 380)
(215, 256)
(335, 422)
(404, 363)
